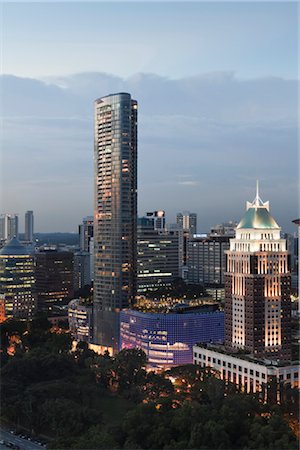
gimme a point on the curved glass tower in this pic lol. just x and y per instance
(115, 213)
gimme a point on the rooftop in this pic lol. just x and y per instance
(245, 355)
(257, 215)
(14, 248)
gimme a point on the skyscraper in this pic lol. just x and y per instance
(29, 226)
(115, 213)
(188, 223)
(257, 306)
(9, 227)
(86, 232)
(257, 286)
(54, 277)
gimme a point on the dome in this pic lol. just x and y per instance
(14, 248)
(258, 218)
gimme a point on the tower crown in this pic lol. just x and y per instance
(257, 215)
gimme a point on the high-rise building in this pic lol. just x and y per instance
(29, 226)
(224, 229)
(54, 277)
(257, 306)
(258, 285)
(17, 282)
(188, 223)
(86, 232)
(158, 218)
(207, 260)
(82, 269)
(115, 213)
(158, 261)
(9, 227)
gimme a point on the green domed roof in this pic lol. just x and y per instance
(258, 217)
(14, 248)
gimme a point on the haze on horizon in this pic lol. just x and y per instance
(217, 92)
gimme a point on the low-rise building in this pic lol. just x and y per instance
(80, 317)
(167, 338)
(243, 369)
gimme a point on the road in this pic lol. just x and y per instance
(23, 444)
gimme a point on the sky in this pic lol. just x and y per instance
(216, 84)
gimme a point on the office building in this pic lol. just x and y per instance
(54, 277)
(82, 269)
(257, 305)
(188, 223)
(17, 282)
(92, 262)
(115, 218)
(29, 224)
(207, 260)
(86, 233)
(80, 317)
(157, 256)
(167, 337)
(224, 229)
(9, 227)
(158, 218)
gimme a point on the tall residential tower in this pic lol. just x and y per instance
(29, 226)
(115, 213)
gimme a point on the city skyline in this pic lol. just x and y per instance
(214, 117)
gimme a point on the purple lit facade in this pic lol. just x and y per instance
(168, 339)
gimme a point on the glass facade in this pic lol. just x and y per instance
(115, 213)
(17, 282)
(168, 339)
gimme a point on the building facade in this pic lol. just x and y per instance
(9, 227)
(168, 338)
(258, 286)
(29, 226)
(207, 260)
(17, 281)
(80, 317)
(157, 258)
(257, 307)
(82, 269)
(54, 277)
(249, 374)
(86, 233)
(187, 221)
(115, 217)
(158, 218)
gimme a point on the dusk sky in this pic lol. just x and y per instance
(216, 84)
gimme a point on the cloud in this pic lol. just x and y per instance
(214, 134)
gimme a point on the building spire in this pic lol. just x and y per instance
(257, 201)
